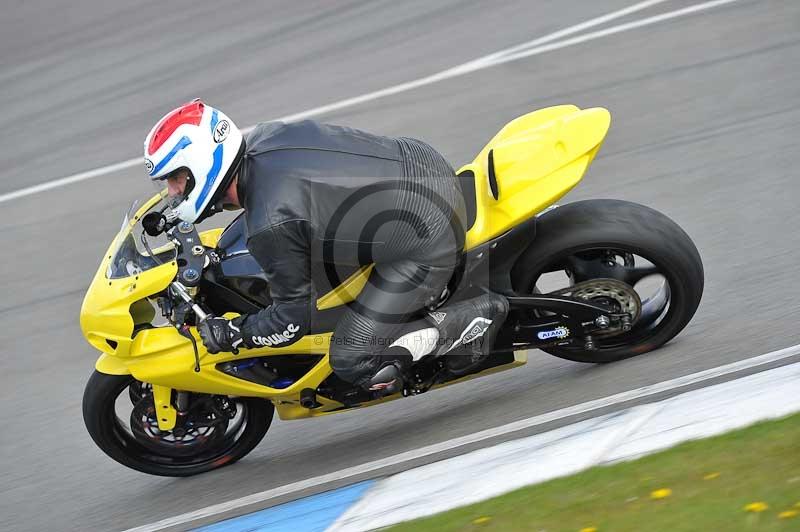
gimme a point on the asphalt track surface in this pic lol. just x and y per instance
(705, 126)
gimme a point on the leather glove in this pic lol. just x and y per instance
(219, 334)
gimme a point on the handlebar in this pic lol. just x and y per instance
(179, 289)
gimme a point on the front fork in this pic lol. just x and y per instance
(165, 412)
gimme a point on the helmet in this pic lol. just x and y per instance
(202, 140)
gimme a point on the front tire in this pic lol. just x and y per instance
(103, 392)
(578, 231)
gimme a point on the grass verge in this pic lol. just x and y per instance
(701, 485)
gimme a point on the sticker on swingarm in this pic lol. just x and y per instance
(558, 332)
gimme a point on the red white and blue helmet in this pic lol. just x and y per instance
(204, 141)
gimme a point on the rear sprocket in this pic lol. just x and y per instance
(618, 296)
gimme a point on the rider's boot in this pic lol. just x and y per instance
(466, 333)
(387, 381)
(390, 377)
(468, 330)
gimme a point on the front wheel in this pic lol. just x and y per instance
(212, 431)
(583, 243)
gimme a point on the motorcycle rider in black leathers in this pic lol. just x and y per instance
(314, 193)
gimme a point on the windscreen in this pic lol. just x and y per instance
(136, 251)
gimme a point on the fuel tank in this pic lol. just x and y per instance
(238, 270)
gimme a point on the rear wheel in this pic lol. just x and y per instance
(581, 244)
(212, 431)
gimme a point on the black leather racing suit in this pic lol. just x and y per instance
(320, 193)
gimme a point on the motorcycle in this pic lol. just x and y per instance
(592, 281)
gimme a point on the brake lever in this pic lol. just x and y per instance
(179, 289)
(186, 333)
(183, 330)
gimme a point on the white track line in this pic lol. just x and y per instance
(612, 30)
(534, 47)
(369, 467)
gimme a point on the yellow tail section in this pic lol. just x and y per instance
(534, 160)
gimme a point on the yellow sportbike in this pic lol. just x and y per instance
(590, 281)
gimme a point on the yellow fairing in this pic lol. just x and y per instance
(538, 158)
(111, 306)
(347, 291)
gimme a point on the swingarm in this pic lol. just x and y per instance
(552, 319)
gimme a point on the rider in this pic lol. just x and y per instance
(321, 194)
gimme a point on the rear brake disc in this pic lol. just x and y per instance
(622, 294)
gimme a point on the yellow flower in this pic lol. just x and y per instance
(663, 493)
(589, 529)
(711, 476)
(788, 514)
(482, 520)
(797, 505)
(756, 507)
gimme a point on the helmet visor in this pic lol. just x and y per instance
(178, 184)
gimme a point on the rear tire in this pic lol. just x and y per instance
(110, 434)
(614, 224)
